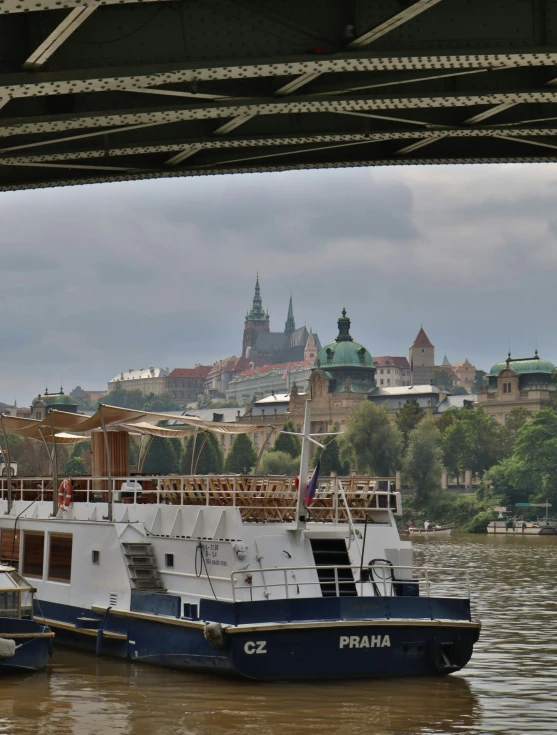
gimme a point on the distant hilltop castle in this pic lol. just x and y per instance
(263, 346)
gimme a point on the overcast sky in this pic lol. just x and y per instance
(99, 279)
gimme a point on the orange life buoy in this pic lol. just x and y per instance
(65, 494)
(297, 482)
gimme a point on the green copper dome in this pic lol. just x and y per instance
(344, 351)
(524, 366)
(56, 399)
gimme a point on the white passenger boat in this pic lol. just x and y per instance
(518, 526)
(235, 574)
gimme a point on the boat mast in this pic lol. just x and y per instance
(304, 465)
(8, 465)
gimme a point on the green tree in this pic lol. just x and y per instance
(454, 450)
(242, 455)
(484, 445)
(371, 441)
(460, 390)
(208, 451)
(516, 419)
(159, 402)
(408, 417)
(288, 443)
(75, 467)
(161, 458)
(442, 379)
(177, 448)
(423, 466)
(480, 381)
(123, 398)
(330, 456)
(278, 463)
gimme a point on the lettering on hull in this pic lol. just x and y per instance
(364, 641)
(255, 647)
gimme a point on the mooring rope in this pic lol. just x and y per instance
(27, 635)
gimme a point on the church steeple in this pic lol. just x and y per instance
(290, 325)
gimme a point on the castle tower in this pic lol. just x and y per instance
(422, 359)
(310, 350)
(290, 325)
(257, 320)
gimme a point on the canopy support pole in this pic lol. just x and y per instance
(141, 459)
(263, 448)
(108, 463)
(8, 466)
(54, 468)
(193, 452)
(199, 453)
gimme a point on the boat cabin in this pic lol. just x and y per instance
(16, 594)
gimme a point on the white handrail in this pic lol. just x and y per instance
(424, 582)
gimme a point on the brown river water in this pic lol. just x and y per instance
(510, 686)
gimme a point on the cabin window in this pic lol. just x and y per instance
(9, 545)
(95, 557)
(9, 604)
(33, 553)
(190, 611)
(60, 558)
(169, 560)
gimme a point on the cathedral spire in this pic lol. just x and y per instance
(290, 325)
(257, 313)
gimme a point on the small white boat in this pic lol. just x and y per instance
(433, 530)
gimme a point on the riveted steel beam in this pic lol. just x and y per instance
(26, 6)
(251, 108)
(55, 39)
(138, 77)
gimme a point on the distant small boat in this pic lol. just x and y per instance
(432, 530)
(25, 644)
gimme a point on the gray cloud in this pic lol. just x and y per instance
(105, 278)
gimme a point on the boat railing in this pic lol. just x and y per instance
(259, 498)
(386, 580)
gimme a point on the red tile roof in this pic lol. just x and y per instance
(422, 340)
(388, 361)
(199, 371)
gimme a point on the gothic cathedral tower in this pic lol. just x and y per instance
(422, 359)
(257, 320)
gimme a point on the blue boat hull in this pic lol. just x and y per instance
(295, 649)
(31, 653)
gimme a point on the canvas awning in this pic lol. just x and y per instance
(35, 429)
(142, 422)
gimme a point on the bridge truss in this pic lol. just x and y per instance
(99, 90)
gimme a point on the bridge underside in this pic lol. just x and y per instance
(96, 90)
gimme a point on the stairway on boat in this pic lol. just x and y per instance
(142, 567)
(331, 552)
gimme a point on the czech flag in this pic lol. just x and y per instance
(312, 486)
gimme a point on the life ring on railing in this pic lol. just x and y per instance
(65, 494)
(296, 482)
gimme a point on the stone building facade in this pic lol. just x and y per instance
(147, 380)
(392, 371)
(187, 383)
(526, 382)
